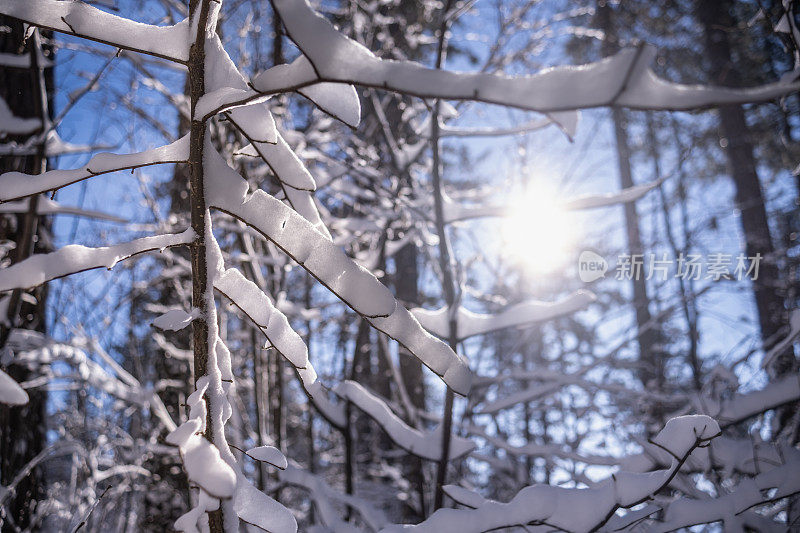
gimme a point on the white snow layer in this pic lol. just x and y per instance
(14, 125)
(624, 79)
(16, 185)
(470, 324)
(10, 391)
(175, 319)
(46, 206)
(259, 308)
(40, 268)
(569, 509)
(426, 445)
(201, 459)
(328, 263)
(169, 42)
(268, 454)
(339, 100)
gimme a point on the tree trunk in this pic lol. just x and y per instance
(198, 10)
(650, 359)
(27, 92)
(735, 138)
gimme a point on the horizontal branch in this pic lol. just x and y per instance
(469, 324)
(574, 509)
(46, 206)
(17, 185)
(623, 80)
(82, 20)
(74, 258)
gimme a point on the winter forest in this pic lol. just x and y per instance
(342, 266)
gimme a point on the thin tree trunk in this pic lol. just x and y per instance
(650, 360)
(448, 281)
(26, 90)
(356, 367)
(198, 10)
(686, 299)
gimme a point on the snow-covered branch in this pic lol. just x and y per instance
(82, 20)
(622, 80)
(470, 324)
(73, 258)
(16, 185)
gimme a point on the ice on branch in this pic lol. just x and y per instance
(426, 445)
(40, 268)
(470, 324)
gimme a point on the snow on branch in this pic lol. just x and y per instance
(425, 445)
(80, 19)
(223, 81)
(622, 80)
(268, 454)
(324, 498)
(259, 308)
(295, 180)
(470, 324)
(593, 201)
(46, 206)
(456, 212)
(16, 185)
(354, 285)
(201, 458)
(744, 406)
(567, 121)
(13, 125)
(575, 509)
(41, 268)
(778, 482)
(339, 100)
(10, 391)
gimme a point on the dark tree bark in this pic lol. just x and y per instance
(717, 20)
(27, 92)
(651, 372)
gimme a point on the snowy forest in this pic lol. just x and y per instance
(447, 266)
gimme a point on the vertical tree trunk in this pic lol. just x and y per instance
(650, 360)
(716, 19)
(199, 10)
(27, 91)
(448, 281)
(406, 287)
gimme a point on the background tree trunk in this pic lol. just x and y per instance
(735, 138)
(27, 91)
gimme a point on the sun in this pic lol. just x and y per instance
(537, 231)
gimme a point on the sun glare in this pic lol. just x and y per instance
(538, 231)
